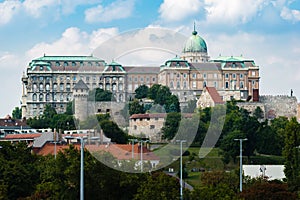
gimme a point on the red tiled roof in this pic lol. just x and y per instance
(123, 151)
(119, 151)
(214, 95)
(148, 115)
(49, 148)
(22, 136)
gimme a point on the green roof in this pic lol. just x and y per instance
(232, 59)
(68, 58)
(195, 44)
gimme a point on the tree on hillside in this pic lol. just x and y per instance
(158, 186)
(152, 94)
(171, 125)
(291, 154)
(162, 95)
(141, 92)
(135, 107)
(111, 130)
(17, 113)
(98, 94)
(191, 106)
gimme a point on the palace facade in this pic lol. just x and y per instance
(51, 79)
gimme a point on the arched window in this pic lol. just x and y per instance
(54, 87)
(41, 97)
(120, 86)
(178, 85)
(121, 97)
(47, 87)
(100, 85)
(107, 86)
(61, 87)
(171, 84)
(41, 87)
(47, 97)
(34, 97)
(114, 87)
(61, 97)
(34, 87)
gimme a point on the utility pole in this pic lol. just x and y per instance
(241, 162)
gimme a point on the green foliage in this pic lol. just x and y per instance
(18, 173)
(50, 119)
(70, 108)
(158, 186)
(291, 154)
(171, 125)
(258, 113)
(265, 190)
(141, 92)
(98, 94)
(217, 185)
(17, 113)
(135, 107)
(153, 91)
(111, 130)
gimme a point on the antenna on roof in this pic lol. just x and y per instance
(44, 54)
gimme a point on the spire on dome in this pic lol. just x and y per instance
(194, 32)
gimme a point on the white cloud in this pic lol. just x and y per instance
(290, 15)
(11, 69)
(278, 67)
(36, 8)
(116, 10)
(233, 11)
(176, 10)
(8, 9)
(73, 41)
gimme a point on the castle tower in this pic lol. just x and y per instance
(80, 94)
(24, 95)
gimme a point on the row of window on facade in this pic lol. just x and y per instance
(74, 78)
(81, 64)
(47, 97)
(234, 76)
(151, 127)
(141, 79)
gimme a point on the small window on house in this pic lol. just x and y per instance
(41, 68)
(152, 126)
(234, 76)
(226, 75)
(65, 64)
(204, 75)
(107, 110)
(73, 64)
(57, 64)
(99, 110)
(134, 127)
(226, 85)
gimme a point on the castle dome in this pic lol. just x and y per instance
(195, 44)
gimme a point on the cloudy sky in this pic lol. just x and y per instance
(267, 31)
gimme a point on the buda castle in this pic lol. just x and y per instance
(52, 79)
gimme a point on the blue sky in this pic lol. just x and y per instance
(264, 30)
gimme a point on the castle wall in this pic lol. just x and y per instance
(274, 106)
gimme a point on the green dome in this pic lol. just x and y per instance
(195, 44)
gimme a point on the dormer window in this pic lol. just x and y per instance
(65, 64)
(57, 64)
(41, 68)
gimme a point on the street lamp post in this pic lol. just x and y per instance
(142, 153)
(241, 162)
(132, 150)
(82, 161)
(181, 184)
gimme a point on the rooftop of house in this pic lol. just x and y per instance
(9, 122)
(156, 115)
(214, 95)
(119, 151)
